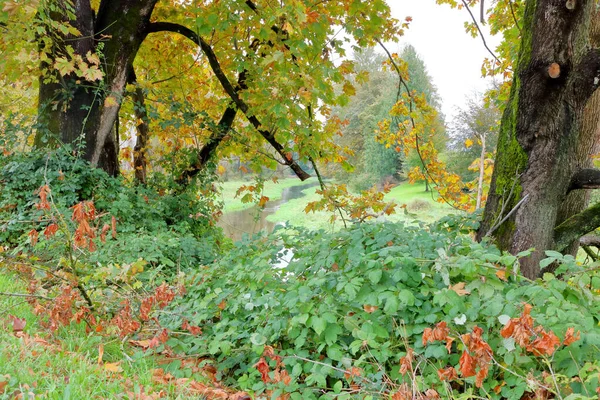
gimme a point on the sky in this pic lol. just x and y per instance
(453, 57)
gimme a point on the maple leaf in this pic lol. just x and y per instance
(10, 7)
(467, 365)
(64, 66)
(459, 288)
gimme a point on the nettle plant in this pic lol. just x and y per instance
(389, 310)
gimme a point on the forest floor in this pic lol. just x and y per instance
(73, 362)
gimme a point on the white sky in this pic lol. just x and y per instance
(453, 58)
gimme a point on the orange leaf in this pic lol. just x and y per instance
(467, 365)
(369, 308)
(447, 374)
(570, 337)
(18, 323)
(459, 288)
(100, 353)
(501, 274)
(263, 368)
(113, 367)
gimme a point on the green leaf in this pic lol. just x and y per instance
(318, 324)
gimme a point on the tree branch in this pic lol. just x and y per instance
(577, 226)
(209, 148)
(229, 89)
(586, 77)
(588, 178)
(590, 240)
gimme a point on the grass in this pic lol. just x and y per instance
(271, 189)
(64, 364)
(420, 206)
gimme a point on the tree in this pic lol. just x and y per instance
(375, 95)
(474, 135)
(421, 82)
(268, 63)
(546, 136)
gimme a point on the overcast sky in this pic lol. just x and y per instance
(453, 58)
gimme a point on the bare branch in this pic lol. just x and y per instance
(588, 178)
(32, 296)
(576, 226)
(480, 32)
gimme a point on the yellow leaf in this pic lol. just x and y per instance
(220, 170)
(113, 367)
(110, 101)
(468, 143)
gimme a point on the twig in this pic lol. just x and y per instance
(493, 228)
(323, 187)
(330, 366)
(480, 32)
(34, 296)
(512, 10)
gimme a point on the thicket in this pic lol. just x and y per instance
(382, 310)
(389, 310)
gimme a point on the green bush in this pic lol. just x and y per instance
(362, 297)
(165, 225)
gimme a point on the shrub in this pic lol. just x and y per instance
(352, 306)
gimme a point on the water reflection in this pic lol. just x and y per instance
(253, 220)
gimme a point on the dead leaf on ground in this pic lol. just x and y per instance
(18, 324)
(113, 367)
(100, 353)
(459, 288)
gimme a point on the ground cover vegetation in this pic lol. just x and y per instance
(116, 282)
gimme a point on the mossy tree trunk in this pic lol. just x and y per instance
(73, 112)
(545, 140)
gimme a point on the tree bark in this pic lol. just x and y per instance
(81, 114)
(542, 143)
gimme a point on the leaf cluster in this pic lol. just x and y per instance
(343, 309)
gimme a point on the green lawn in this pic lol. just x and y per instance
(421, 206)
(271, 189)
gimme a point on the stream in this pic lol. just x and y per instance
(253, 219)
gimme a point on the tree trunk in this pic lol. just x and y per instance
(541, 143)
(85, 115)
